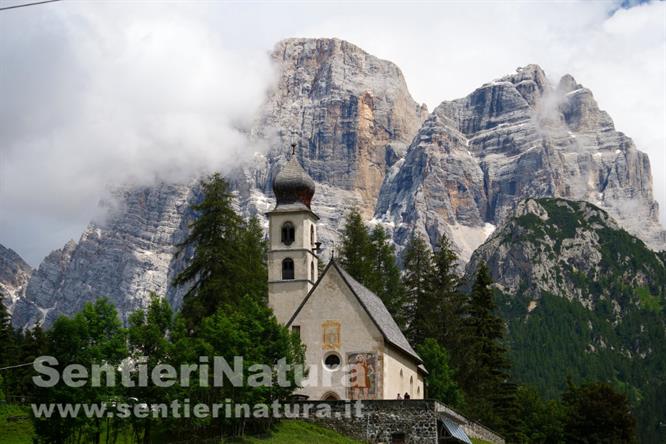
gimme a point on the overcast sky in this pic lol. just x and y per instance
(95, 94)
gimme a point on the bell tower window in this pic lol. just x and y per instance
(288, 233)
(312, 271)
(288, 269)
(312, 237)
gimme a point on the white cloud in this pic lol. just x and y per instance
(91, 95)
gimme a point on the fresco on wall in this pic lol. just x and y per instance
(331, 335)
(364, 375)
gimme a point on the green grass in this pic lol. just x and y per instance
(647, 300)
(479, 441)
(286, 432)
(299, 432)
(15, 432)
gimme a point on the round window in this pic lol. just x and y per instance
(332, 361)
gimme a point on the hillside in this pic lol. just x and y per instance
(583, 299)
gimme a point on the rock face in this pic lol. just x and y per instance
(351, 115)
(582, 298)
(367, 143)
(14, 276)
(124, 258)
(516, 137)
(573, 250)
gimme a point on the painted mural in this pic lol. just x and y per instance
(331, 335)
(364, 375)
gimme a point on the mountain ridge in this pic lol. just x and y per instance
(368, 143)
(582, 299)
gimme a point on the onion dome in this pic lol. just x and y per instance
(292, 185)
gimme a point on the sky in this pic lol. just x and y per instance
(93, 95)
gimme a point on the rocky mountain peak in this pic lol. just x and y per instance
(567, 84)
(476, 157)
(548, 244)
(14, 276)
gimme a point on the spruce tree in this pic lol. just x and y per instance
(355, 249)
(8, 348)
(417, 281)
(384, 274)
(448, 310)
(229, 256)
(6, 333)
(370, 258)
(485, 366)
(438, 312)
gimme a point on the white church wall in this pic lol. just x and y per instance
(333, 305)
(401, 375)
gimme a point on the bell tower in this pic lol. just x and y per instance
(293, 246)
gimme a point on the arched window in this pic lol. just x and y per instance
(288, 233)
(288, 268)
(312, 275)
(312, 240)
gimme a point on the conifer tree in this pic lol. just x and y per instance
(370, 258)
(8, 347)
(448, 310)
(485, 365)
(355, 250)
(33, 343)
(6, 333)
(229, 255)
(384, 278)
(417, 281)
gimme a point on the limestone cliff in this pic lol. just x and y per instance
(14, 276)
(350, 113)
(367, 143)
(517, 137)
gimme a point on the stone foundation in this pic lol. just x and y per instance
(395, 421)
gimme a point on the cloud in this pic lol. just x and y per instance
(96, 94)
(93, 97)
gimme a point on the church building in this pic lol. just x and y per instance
(343, 325)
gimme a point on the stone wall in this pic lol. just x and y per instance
(476, 430)
(387, 421)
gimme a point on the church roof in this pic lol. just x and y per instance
(375, 308)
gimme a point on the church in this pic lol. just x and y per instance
(342, 324)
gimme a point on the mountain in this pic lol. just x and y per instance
(584, 299)
(367, 143)
(14, 275)
(474, 158)
(352, 117)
